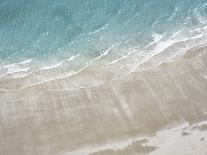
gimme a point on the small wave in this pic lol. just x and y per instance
(128, 71)
(113, 39)
(122, 58)
(16, 70)
(154, 54)
(73, 57)
(26, 61)
(52, 66)
(60, 63)
(156, 39)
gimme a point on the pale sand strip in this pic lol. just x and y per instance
(40, 122)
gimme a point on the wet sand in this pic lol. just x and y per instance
(118, 117)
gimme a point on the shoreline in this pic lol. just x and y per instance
(142, 103)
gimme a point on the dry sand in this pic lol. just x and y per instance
(135, 115)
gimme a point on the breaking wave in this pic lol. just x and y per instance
(90, 42)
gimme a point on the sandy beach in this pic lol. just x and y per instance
(142, 113)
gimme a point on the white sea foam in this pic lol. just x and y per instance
(14, 68)
(53, 66)
(60, 63)
(26, 61)
(73, 57)
(176, 45)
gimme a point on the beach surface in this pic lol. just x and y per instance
(155, 110)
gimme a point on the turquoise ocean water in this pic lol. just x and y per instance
(55, 39)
